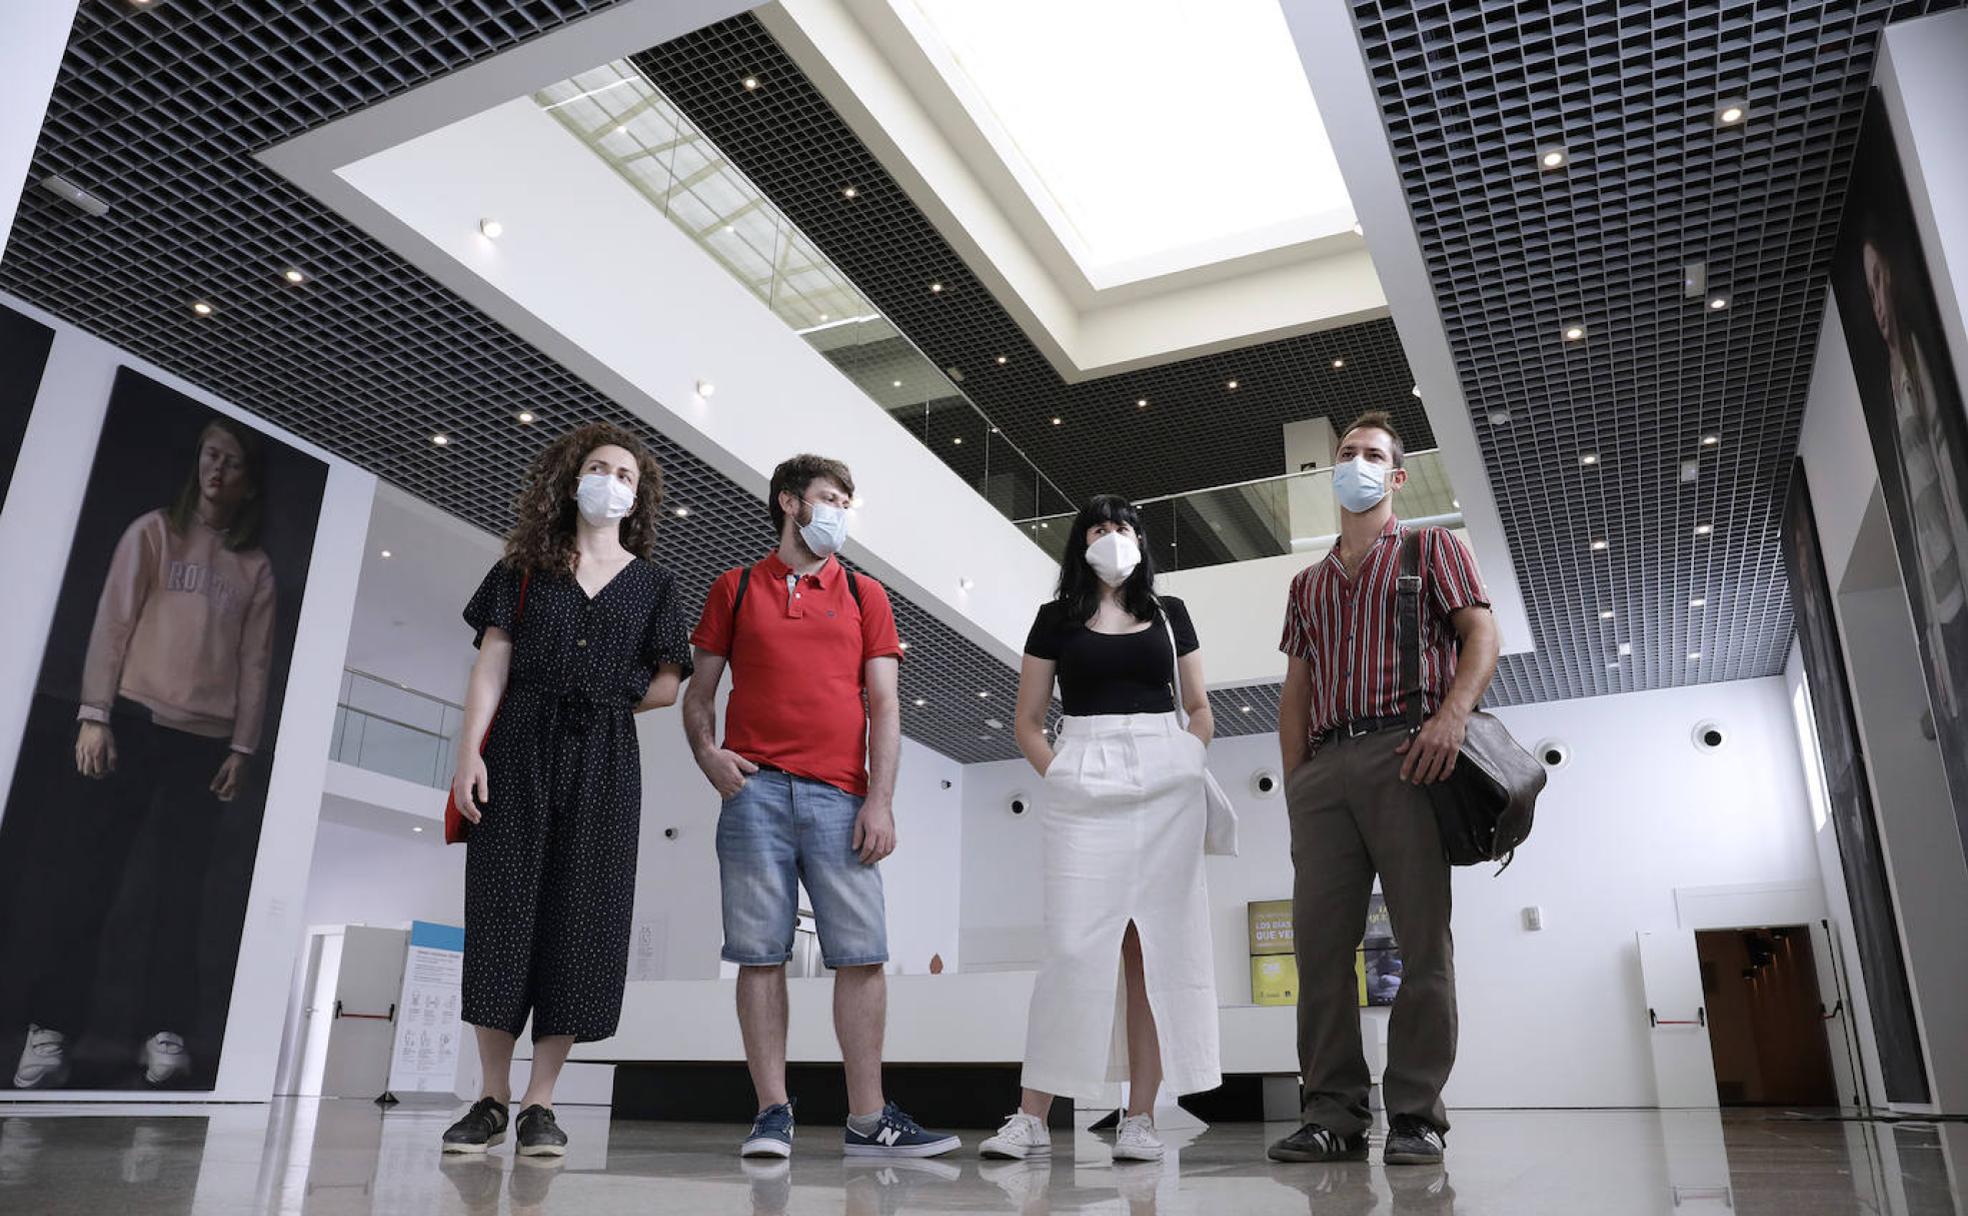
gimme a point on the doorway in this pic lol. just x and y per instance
(1766, 1022)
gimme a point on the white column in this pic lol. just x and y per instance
(33, 35)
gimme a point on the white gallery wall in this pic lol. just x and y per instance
(33, 36)
(36, 526)
(1636, 824)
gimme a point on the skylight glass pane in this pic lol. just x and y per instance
(1145, 127)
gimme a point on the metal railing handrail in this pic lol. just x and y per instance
(376, 717)
(400, 687)
(1230, 485)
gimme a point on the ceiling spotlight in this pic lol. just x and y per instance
(920, 702)
(1717, 303)
(1598, 546)
(706, 389)
(1589, 459)
(622, 129)
(1612, 667)
(957, 439)
(387, 555)
(1046, 526)
(750, 83)
(1002, 360)
(896, 383)
(1710, 440)
(1416, 390)
(733, 228)
(415, 828)
(293, 275)
(1731, 113)
(983, 692)
(682, 512)
(202, 308)
(1574, 333)
(524, 417)
(1698, 602)
(1057, 421)
(1499, 417)
(1337, 363)
(1704, 529)
(966, 583)
(1626, 648)
(850, 192)
(1244, 708)
(823, 316)
(441, 440)
(1553, 157)
(490, 229)
(1694, 656)
(1606, 614)
(1141, 403)
(935, 287)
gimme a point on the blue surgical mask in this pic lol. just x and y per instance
(1359, 485)
(826, 531)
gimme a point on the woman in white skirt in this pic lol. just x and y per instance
(1127, 989)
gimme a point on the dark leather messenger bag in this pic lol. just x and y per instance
(1484, 807)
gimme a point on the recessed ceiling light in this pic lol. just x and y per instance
(966, 583)
(1574, 333)
(1552, 157)
(622, 129)
(957, 439)
(682, 512)
(750, 83)
(415, 828)
(1709, 441)
(1046, 526)
(491, 229)
(1057, 421)
(1694, 656)
(983, 692)
(920, 702)
(1731, 113)
(387, 555)
(823, 316)
(1416, 390)
(1698, 602)
(1499, 417)
(1244, 708)
(1598, 546)
(293, 274)
(524, 417)
(1141, 403)
(1002, 360)
(903, 645)
(202, 308)
(1626, 648)
(706, 389)
(1339, 363)
(1704, 529)
(1231, 385)
(441, 440)
(1589, 459)
(1612, 667)
(935, 287)
(1606, 614)
(1717, 303)
(850, 192)
(733, 228)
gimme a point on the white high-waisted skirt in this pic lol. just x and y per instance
(1123, 814)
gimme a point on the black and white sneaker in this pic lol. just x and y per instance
(539, 1134)
(1412, 1141)
(1314, 1142)
(483, 1126)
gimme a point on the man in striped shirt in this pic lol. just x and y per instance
(1354, 788)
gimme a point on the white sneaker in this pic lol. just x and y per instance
(165, 1058)
(1136, 1141)
(1021, 1136)
(43, 1061)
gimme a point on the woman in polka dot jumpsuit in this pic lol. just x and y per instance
(577, 631)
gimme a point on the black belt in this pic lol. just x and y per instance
(576, 711)
(1360, 726)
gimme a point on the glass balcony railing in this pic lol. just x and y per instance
(387, 728)
(1291, 513)
(632, 126)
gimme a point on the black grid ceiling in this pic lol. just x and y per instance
(787, 139)
(159, 111)
(1472, 93)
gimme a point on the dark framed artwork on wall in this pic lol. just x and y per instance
(1861, 856)
(1912, 398)
(130, 830)
(24, 347)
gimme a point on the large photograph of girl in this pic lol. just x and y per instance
(127, 843)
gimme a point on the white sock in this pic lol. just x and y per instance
(864, 1125)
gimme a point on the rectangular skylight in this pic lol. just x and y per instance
(1154, 135)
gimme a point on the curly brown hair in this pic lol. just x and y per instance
(542, 538)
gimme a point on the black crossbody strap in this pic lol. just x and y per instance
(1407, 625)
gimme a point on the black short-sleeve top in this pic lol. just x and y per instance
(605, 648)
(1112, 673)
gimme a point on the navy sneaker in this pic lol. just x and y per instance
(771, 1134)
(897, 1135)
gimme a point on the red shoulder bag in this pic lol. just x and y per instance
(456, 827)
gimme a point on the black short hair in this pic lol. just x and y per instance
(794, 475)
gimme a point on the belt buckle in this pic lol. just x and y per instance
(1354, 730)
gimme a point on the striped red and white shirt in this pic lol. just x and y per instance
(1344, 628)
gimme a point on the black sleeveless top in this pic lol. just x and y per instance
(1105, 673)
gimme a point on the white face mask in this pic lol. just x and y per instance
(1359, 485)
(604, 499)
(826, 531)
(1114, 558)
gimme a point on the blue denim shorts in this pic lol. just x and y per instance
(780, 831)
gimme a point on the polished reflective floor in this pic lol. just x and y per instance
(337, 1157)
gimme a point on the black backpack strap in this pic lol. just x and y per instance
(737, 602)
(853, 586)
(1407, 625)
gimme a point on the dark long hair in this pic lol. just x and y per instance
(542, 539)
(1079, 586)
(243, 532)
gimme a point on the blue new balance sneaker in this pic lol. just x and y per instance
(897, 1135)
(771, 1134)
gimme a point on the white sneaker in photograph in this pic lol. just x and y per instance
(43, 1060)
(1021, 1136)
(165, 1058)
(1136, 1141)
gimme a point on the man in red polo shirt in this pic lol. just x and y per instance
(805, 639)
(1357, 806)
